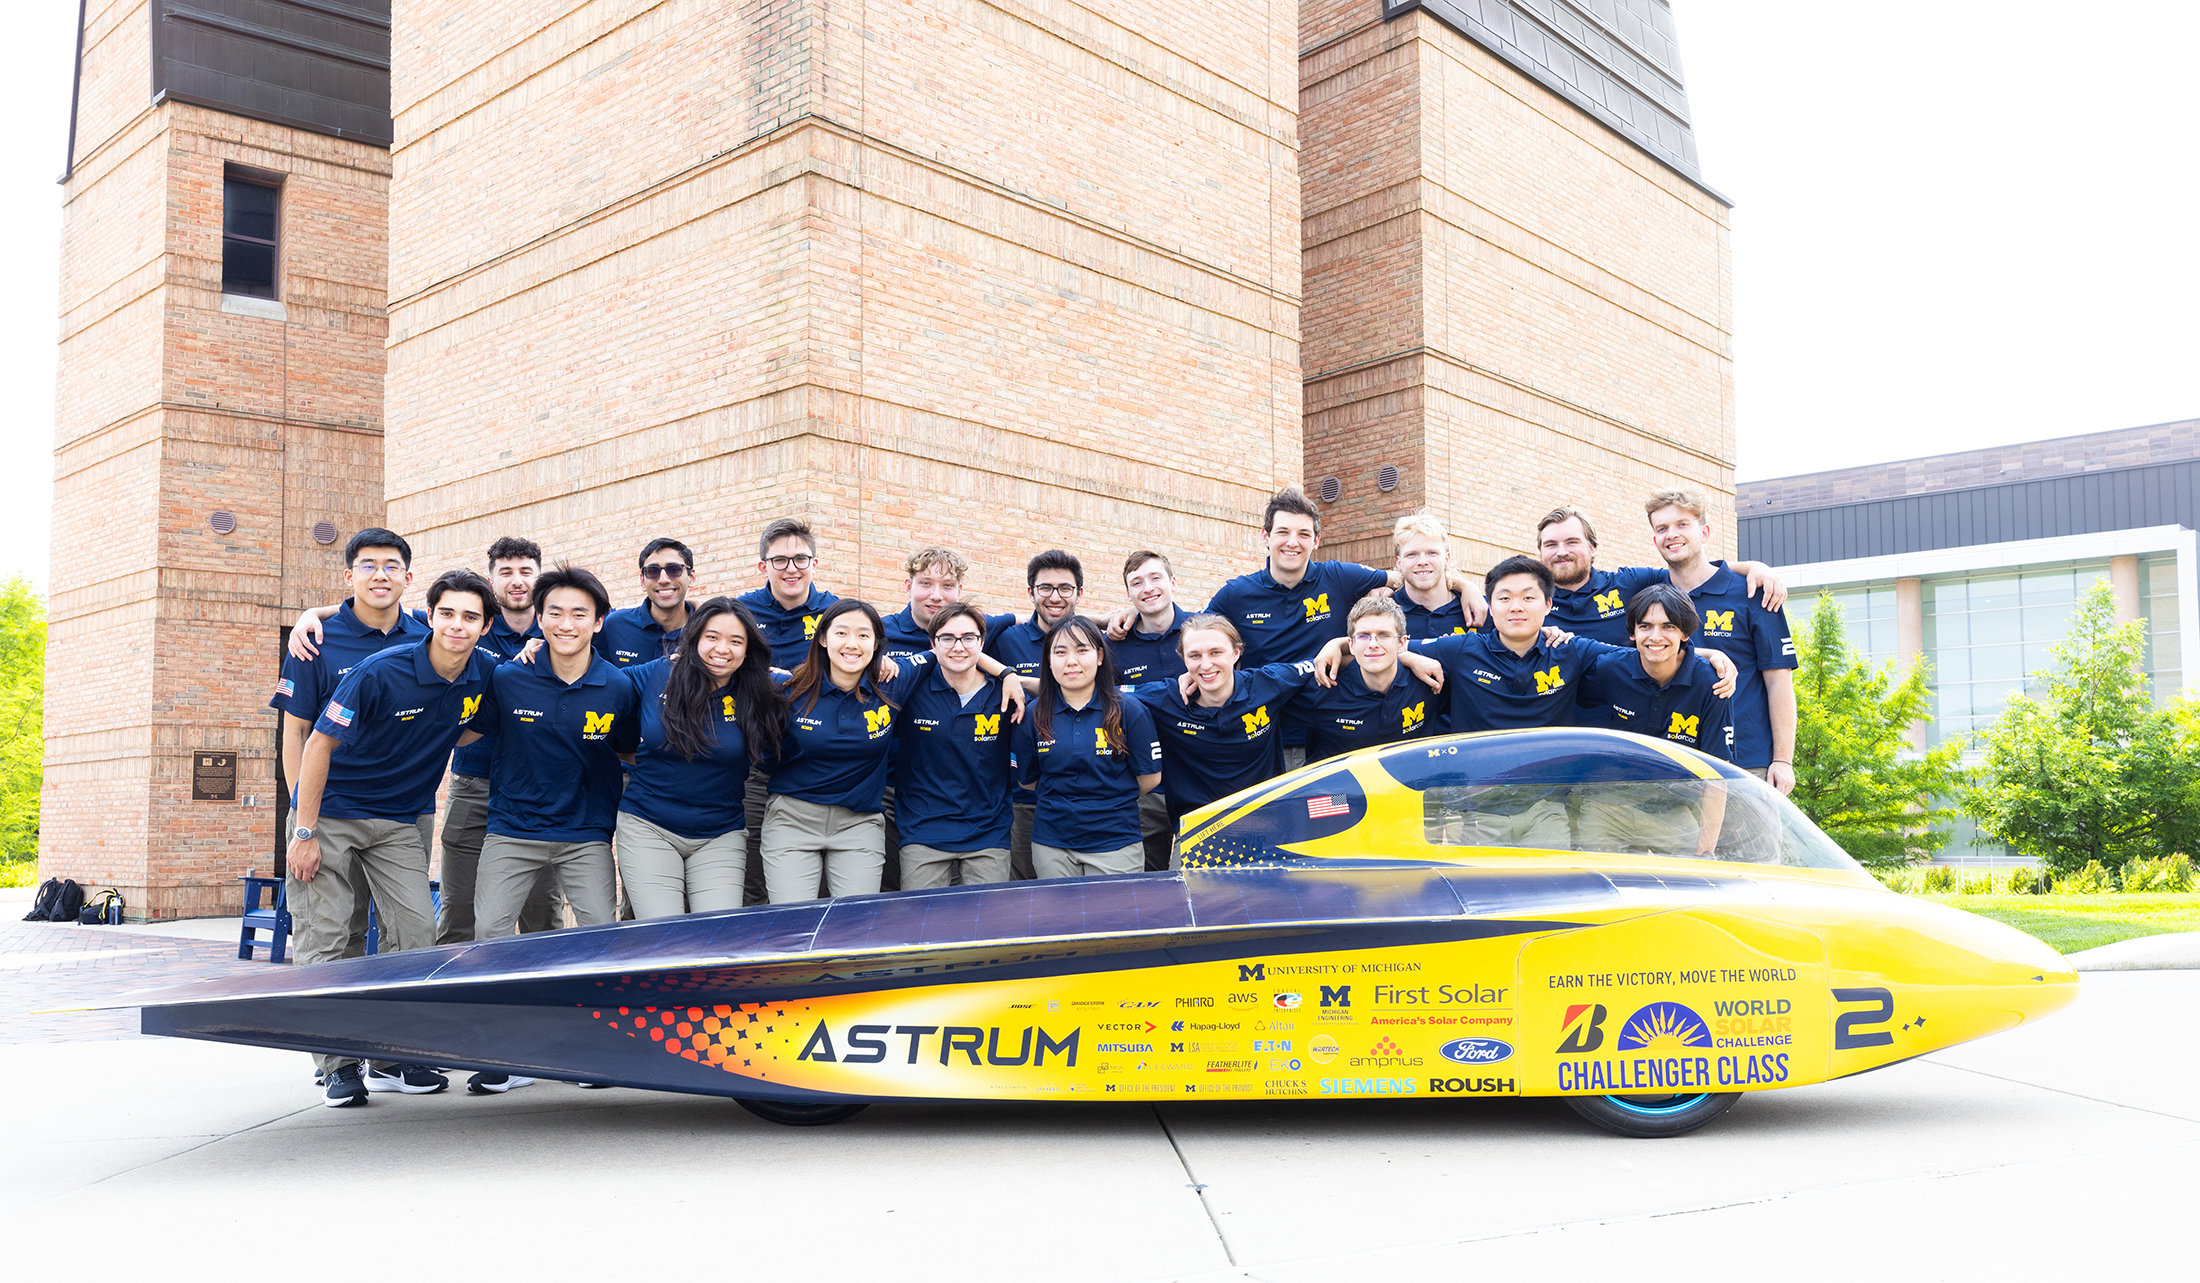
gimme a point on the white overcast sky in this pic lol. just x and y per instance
(1955, 225)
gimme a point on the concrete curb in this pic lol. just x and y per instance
(2174, 951)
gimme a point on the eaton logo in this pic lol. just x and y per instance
(1476, 1051)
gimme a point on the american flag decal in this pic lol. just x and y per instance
(1321, 808)
(285, 688)
(338, 714)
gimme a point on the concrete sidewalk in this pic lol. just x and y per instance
(2063, 1149)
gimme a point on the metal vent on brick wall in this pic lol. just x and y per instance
(223, 522)
(1332, 489)
(1387, 480)
(324, 532)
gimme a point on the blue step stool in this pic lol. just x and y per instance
(374, 918)
(272, 917)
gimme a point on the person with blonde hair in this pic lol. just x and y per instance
(1422, 548)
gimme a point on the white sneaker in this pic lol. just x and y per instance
(484, 1084)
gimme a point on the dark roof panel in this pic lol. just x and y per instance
(320, 65)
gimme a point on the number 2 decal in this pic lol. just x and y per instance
(1853, 1029)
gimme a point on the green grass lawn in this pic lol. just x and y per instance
(2074, 922)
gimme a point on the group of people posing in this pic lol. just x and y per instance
(631, 760)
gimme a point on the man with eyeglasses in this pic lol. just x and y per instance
(650, 629)
(1056, 581)
(1374, 700)
(789, 604)
(951, 769)
(1423, 550)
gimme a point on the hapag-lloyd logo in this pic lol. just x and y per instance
(1476, 1051)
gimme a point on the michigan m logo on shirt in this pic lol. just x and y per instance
(876, 720)
(809, 626)
(1607, 602)
(726, 703)
(1256, 721)
(987, 724)
(1316, 606)
(1548, 680)
(1415, 715)
(469, 706)
(1682, 726)
(596, 723)
(1718, 621)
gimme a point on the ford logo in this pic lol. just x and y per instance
(1476, 1051)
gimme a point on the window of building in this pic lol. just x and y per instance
(1867, 615)
(251, 216)
(1986, 634)
(2158, 606)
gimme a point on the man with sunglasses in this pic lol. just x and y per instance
(651, 628)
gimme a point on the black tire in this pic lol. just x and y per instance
(1651, 1117)
(800, 1115)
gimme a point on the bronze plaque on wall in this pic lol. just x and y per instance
(213, 777)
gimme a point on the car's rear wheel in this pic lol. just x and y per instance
(1653, 1116)
(795, 1114)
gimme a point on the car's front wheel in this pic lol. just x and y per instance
(795, 1114)
(1653, 1116)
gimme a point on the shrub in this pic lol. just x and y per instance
(1899, 880)
(2177, 873)
(2023, 881)
(2090, 880)
(1980, 882)
(1939, 878)
(2168, 873)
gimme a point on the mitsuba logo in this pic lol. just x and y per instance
(1256, 971)
(1584, 1028)
(596, 725)
(1336, 995)
(867, 1045)
(1548, 681)
(468, 706)
(1607, 602)
(1256, 721)
(1415, 715)
(877, 720)
(1682, 726)
(1316, 606)
(1718, 621)
(988, 724)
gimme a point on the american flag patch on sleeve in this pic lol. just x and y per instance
(285, 688)
(337, 713)
(1321, 808)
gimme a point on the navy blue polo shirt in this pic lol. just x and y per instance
(1493, 689)
(1208, 753)
(1756, 639)
(787, 632)
(633, 636)
(306, 685)
(1285, 625)
(698, 799)
(555, 773)
(1150, 657)
(837, 752)
(1088, 796)
(394, 719)
(1619, 694)
(1348, 716)
(502, 645)
(1421, 622)
(1598, 609)
(951, 765)
(904, 637)
(1020, 646)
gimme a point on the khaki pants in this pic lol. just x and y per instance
(924, 867)
(666, 875)
(465, 824)
(388, 858)
(1543, 825)
(1157, 831)
(1019, 841)
(1054, 862)
(1613, 826)
(510, 867)
(803, 840)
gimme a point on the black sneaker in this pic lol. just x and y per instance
(592, 1086)
(344, 1088)
(413, 1080)
(486, 1084)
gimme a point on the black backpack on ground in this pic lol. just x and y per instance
(58, 900)
(102, 910)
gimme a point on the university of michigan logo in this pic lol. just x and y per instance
(469, 706)
(596, 725)
(1608, 602)
(1316, 606)
(726, 703)
(1100, 740)
(809, 626)
(1256, 721)
(988, 725)
(1415, 715)
(1682, 726)
(878, 720)
(1718, 621)
(1548, 680)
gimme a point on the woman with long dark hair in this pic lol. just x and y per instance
(822, 817)
(1090, 755)
(709, 712)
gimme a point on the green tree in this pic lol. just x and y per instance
(22, 716)
(2091, 770)
(1856, 775)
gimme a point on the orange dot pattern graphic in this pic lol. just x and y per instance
(738, 1039)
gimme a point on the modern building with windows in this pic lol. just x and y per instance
(1974, 561)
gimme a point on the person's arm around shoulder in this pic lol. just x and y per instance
(1144, 744)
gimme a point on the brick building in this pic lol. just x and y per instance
(1043, 274)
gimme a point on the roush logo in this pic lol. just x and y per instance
(1476, 1051)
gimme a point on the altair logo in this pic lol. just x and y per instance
(1476, 1051)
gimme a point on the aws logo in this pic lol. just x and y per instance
(986, 726)
(1718, 621)
(809, 626)
(1548, 680)
(1683, 726)
(878, 720)
(1317, 607)
(468, 706)
(1414, 716)
(1584, 1028)
(1256, 722)
(596, 725)
(1609, 602)
(725, 703)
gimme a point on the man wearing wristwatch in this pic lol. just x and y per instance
(368, 771)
